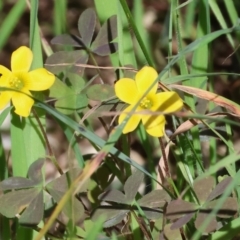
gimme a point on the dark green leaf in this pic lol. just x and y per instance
(201, 217)
(34, 213)
(100, 92)
(35, 171)
(61, 61)
(203, 187)
(15, 202)
(16, 183)
(178, 208)
(108, 32)
(86, 25)
(113, 196)
(132, 185)
(154, 199)
(69, 40)
(220, 188)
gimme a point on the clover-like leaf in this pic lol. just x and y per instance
(201, 218)
(16, 183)
(154, 199)
(61, 61)
(34, 213)
(113, 196)
(86, 25)
(68, 40)
(170, 234)
(68, 100)
(13, 203)
(112, 216)
(100, 92)
(178, 208)
(75, 82)
(203, 187)
(132, 185)
(182, 221)
(103, 45)
(35, 171)
(220, 188)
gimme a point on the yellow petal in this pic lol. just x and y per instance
(21, 59)
(132, 122)
(126, 90)
(157, 131)
(150, 121)
(5, 75)
(38, 80)
(5, 98)
(22, 103)
(169, 102)
(145, 78)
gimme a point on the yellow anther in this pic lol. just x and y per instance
(146, 103)
(16, 83)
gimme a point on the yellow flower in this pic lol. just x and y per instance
(21, 81)
(130, 91)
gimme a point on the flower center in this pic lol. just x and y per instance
(146, 103)
(16, 83)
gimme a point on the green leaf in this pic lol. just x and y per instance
(75, 82)
(170, 234)
(16, 183)
(100, 92)
(35, 171)
(86, 26)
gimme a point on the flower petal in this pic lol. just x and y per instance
(21, 59)
(22, 103)
(5, 98)
(157, 131)
(145, 78)
(150, 121)
(38, 80)
(5, 75)
(168, 102)
(132, 122)
(126, 90)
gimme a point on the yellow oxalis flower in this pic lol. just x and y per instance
(21, 81)
(130, 91)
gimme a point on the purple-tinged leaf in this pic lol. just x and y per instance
(220, 188)
(227, 210)
(34, 213)
(15, 202)
(203, 187)
(35, 171)
(69, 40)
(100, 92)
(106, 35)
(182, 221)
(61, 61)
(16, 183)
(112, 216)
(113, 196)
(155, 199)
(178, 208)
(170, 234)
(201, 217)
(151, 213)
(105, 49)
(132, 185)
(86, 25)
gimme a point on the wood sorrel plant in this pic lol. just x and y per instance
(107, 194)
